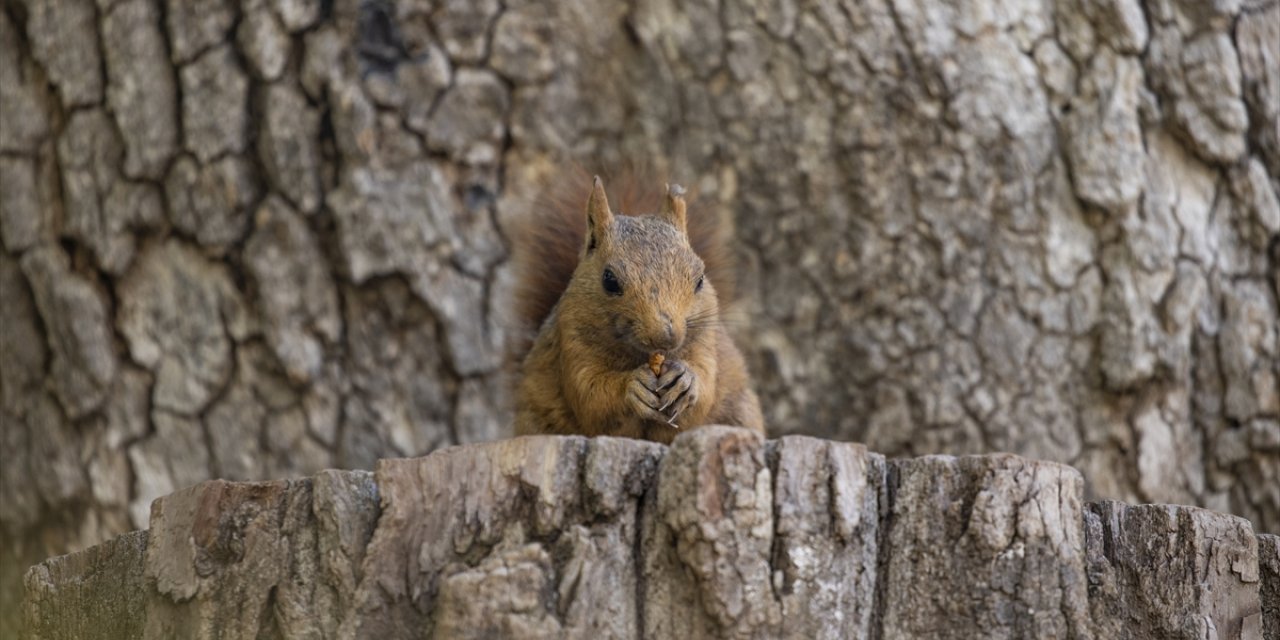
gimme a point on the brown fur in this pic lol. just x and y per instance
(590, 344)
(549, 240)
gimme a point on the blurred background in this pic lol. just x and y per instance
(252, 239)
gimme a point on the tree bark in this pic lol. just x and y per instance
(252, 239)
(724, 535)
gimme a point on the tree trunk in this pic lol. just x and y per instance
(724, 535)
(252, 239)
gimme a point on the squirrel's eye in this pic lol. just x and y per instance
(698, 286)
(611, 284)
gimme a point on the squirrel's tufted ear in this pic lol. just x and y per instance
(673, 208)
(599, 217)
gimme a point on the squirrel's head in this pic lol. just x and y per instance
(644, 284)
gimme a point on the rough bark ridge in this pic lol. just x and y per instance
(257, 238)
(724, 535)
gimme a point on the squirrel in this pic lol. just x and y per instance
(629, 339)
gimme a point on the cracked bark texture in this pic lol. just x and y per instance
(722, 535)
(253, 239)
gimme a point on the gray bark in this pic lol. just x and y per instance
(252, 239)
(724, 535)
(1269, 566)
(1149, 560)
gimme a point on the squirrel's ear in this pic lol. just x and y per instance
(673, 208)
(599, 217)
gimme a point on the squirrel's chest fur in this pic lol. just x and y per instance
(569, 386)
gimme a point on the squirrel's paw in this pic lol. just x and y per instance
(642, 395)
(677, 390)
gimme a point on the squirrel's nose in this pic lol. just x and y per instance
(659, 333)
(667, 337)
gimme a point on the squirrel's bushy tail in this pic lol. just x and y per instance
(547, 240)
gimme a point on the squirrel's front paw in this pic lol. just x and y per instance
(677, 390)
(643, 396)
